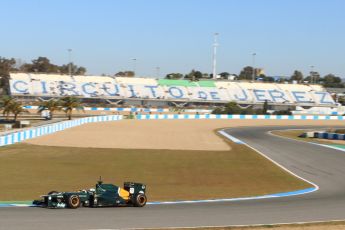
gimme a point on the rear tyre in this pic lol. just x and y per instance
(52, 192)
(140, 200)
(73, 201)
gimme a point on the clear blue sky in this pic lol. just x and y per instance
(177, 35)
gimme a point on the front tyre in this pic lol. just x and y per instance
(140, 200)
(73, 201)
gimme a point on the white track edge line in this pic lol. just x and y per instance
(276, 163)
(225, 226)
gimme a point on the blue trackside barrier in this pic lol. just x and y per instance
(330, 136)
(338, 136)
(235, 116)
(52, 128)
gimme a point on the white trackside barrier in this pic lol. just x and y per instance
(52, 128)
(236, 116)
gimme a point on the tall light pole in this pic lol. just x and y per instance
(134, 65)
(312, 74)
(157, 71)
(70, 62)
(214, 65)
(254, 72)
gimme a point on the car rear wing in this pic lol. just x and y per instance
(134, 188)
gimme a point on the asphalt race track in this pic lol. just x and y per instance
(322, 166)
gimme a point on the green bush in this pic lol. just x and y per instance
(340, 131)
(218, 110)
(233, 108)
(282, 112)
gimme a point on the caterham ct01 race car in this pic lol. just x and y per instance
(103, 195)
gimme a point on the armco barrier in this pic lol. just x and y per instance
(243, 117)
(52, 128)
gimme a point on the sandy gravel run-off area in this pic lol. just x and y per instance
(157, 134)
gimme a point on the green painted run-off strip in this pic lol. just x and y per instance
(337, 145)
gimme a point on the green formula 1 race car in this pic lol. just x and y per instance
(103, 195)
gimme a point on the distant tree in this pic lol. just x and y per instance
(206, 76)
(64, 69)
(17, 108)
(174, 76)
(297, 76)
(265, 107)
(76, 70)
(125, 74)
(6, 66)
(119, 74)
(266, 78)
(341, 100)
(194, 75)
(332, 81)
(69, 103)
(282, 112)
(282, 80)
(218, 110)
(232, 108)
(224, 75)
(6, 103)
(80, 70)
(246, 73)
(314, 77)
(41, 65)
(52, 105)
(10, 105)
(229, 108)
(248, 110)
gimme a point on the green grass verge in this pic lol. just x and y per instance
(295, 133)
(27, 171)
